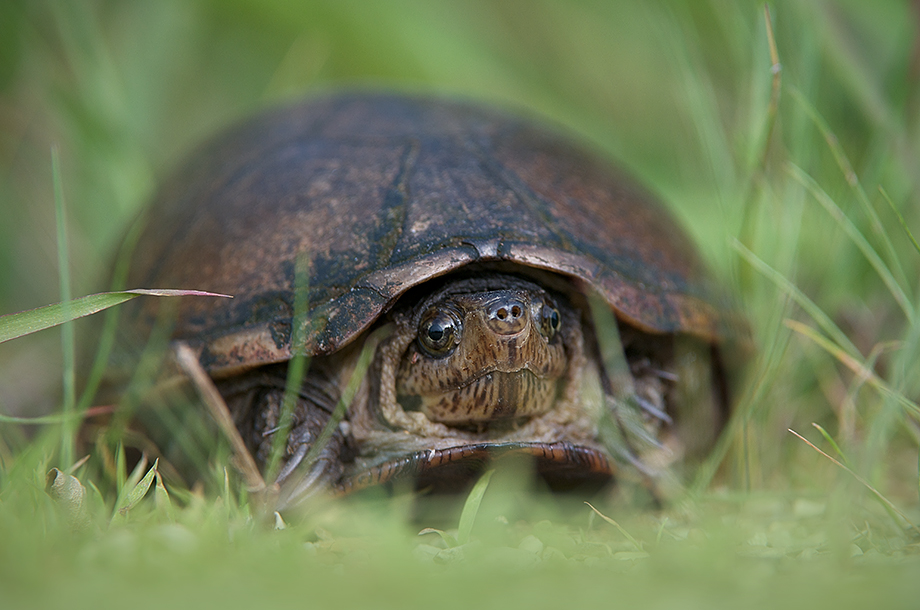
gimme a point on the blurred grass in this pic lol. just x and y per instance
(680, 93)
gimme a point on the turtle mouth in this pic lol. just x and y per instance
(513, 375)
(562, 466)
(492, 397)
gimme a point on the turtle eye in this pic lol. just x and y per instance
(439, 331)
(549, 320)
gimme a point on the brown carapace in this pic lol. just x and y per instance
(479, 238)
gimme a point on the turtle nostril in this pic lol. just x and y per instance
(507, 315)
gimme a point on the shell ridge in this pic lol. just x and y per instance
(533, 202)
(398, 197)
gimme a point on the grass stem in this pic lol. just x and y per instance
(69, 430)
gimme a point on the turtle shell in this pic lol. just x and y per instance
(383, 192)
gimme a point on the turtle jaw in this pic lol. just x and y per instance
(494, 396)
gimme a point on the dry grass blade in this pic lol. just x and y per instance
(626, 534)
(38, 420)
(854, 365)
(76, 465)
(221, 414)
(161, 497)
(866, 483)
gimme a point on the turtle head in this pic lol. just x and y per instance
(484, 352)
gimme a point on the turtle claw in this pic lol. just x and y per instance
(651, 409)
(296, 490)
(292, 463)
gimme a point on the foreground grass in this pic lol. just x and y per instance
(722, 550)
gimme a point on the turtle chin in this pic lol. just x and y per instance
(497, 396)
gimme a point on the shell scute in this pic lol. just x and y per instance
(384, 192)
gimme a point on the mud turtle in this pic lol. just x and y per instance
(479, 238)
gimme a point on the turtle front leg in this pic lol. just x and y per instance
(313, 460)
(312, 454)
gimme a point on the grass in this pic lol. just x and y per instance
(799, 183)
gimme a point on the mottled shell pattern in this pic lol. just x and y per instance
(384, 192)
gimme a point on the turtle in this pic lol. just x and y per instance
(474, 254)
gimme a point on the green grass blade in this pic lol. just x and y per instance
(807, 305)
(110, 321)
(449, 540)
(775, 88)
(15, 325)
(348, 394)
(765, 374)
(900, 218)
(142, 380)
(471, 507)
(831, 442)
(852, 179)
(856, 237)
(42, 420)
(611, 346)
(67, 334)
(129, 485)
(121, 469)
(138, 490)
(297, 367)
